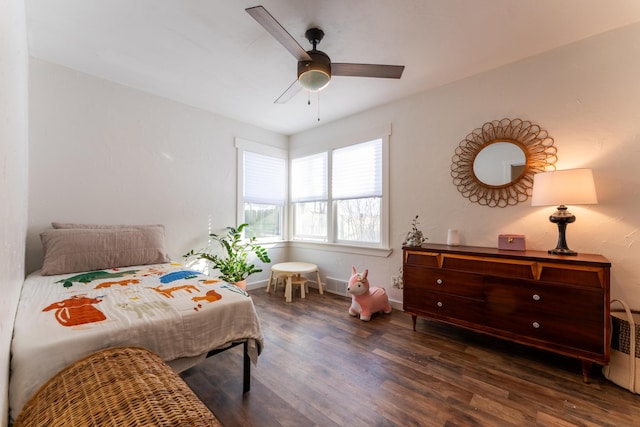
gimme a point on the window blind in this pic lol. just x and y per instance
(265, 179)
(309, 178)
(357, 171)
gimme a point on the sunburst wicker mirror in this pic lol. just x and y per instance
(536, 154)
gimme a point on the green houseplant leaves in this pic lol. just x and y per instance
(234, 265)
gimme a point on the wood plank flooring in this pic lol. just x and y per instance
(321, 367)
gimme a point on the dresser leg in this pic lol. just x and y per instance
(414, 318)
(586, 370)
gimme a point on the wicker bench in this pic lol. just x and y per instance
(123, 386)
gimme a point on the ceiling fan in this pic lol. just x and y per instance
(315, 68)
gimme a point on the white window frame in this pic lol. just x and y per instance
(382, 248)
(243, 145)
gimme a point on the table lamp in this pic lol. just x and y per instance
(563, 187)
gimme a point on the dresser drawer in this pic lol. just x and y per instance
(510, 299)
(564, 315)
(446, 281)
(445, 307)
(428, 259)
(575, 275)
(559, 332)
(498, 267)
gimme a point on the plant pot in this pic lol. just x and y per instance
(415, 238)
(242, 284)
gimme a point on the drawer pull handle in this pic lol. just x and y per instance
(439, 304)
(536, 297)
(536, 325)
(439, 281)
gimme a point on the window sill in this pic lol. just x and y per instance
(337, 247)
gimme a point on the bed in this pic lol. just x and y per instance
(178, 313)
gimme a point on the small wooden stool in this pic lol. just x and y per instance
(295, 280)
(300, 281)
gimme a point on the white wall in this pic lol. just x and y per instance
(587, 95)
(104, 153)
(13, 176)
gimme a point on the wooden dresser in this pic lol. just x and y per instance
(556, 303)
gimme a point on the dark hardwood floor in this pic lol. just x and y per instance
(321, 367)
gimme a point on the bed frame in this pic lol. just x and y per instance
(246, 363)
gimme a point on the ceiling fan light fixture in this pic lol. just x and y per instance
(315, 75)
(314, 66)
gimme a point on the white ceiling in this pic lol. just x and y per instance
(212, 55)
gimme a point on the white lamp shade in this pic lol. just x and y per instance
(564, 187)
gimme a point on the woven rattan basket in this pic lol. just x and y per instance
(116, 387)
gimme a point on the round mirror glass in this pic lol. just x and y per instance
(499, 163)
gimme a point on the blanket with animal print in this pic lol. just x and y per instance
(167, 308)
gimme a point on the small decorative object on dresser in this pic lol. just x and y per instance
(366, 300)
(550, 302)
(453, 237)
(415, 236)
(511, 242)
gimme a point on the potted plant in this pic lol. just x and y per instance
(234, 265)
(415, 236)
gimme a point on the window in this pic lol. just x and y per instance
(262, 184)
(309, 197)
(338, 195)
(356, 184)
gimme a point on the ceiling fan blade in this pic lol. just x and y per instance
(274, 28)
(367, 70)
(289, 93)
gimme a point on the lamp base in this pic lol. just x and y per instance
(562, 217)
(562, 251)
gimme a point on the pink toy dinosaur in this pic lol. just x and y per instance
(365, 300)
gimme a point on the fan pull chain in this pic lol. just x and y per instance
(318, 103)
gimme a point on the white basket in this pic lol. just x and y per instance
(624, 366)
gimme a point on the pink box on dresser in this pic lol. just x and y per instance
(511, 242)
